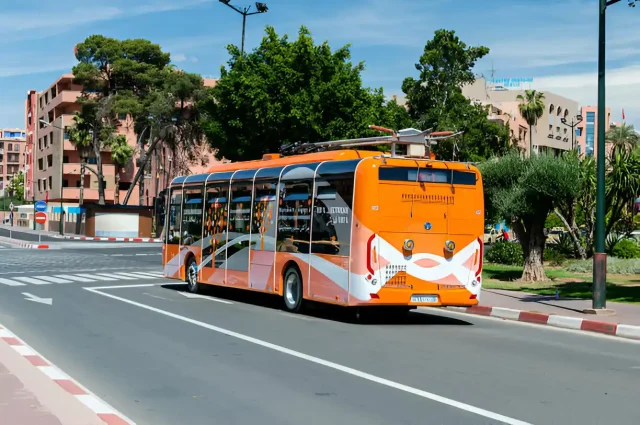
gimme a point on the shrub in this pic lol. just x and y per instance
(508, 253)
(554, 256)
(626, 249)
(614, 266)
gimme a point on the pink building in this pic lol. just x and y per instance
(587, 130)
(55, 162)
(12, 149)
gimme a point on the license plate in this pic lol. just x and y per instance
(424, 298)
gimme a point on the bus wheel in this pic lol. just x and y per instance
(292, 290)
(192, 276)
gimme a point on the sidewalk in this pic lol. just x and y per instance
(562, 313)
(55, 236)
(34, 392)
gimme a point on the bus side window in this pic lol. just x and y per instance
(192, 216)
(332, 216)
(294, 213)
(175, 213)
(215, 223)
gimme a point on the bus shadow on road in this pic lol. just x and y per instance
(348, 315)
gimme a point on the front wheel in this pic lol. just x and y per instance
(293, 290)
(192, 276)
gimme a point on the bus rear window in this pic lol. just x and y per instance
(427, 175)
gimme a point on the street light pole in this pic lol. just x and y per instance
(599, 301)
(260, 8)
(573, 125)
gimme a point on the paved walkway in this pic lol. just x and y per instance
(29, 397)
(628, 314)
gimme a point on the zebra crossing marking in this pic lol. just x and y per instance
(81, 277)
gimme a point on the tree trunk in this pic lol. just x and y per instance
(116, 194)
(99, 174)
(530, 140)
(573, 231)
(143, 165)
(533, 261)
(82, 169)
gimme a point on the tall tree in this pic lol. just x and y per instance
(15, 188)
(525, 191)
(121, 154)
(290, 91)
(624, 136)
(436, 101)
(81, 136)
(622, 188)
(531, 108)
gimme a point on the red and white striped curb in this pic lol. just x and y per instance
(85, 238)
(23, 244)
(566, 322)
(105, 412)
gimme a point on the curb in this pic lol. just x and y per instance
(104, 411)
(23, 244)
(566, 322)
(84, 238)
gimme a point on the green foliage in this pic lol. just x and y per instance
(554, 256)
(614, 266)
(436, 101)
(290, 91)
(626, 249)
(507, 253)
(531, 106)
(553, 221)
(623, 136)
(121, 151)
(622, 188)
(15, 188)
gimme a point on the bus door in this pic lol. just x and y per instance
(171, 248)
(293, 235)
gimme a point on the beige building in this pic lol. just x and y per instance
(12, 148)
(549, 135)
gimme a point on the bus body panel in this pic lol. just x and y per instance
(426, 204)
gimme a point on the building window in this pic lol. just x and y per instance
(39, 185)
(50, 181)
(591, 117)
(49, 160)
(10, 147)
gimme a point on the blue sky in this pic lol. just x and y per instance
(552, 41)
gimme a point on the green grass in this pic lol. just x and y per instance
(620, 288)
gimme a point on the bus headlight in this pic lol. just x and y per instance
(408, 245)
(450, 246)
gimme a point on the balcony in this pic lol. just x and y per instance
(65, 97)
(90, 195)
(74, 169)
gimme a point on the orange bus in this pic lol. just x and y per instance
(340, 226)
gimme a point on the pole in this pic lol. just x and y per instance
(244, 24)
(600, 257)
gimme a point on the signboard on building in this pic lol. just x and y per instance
(509, 83)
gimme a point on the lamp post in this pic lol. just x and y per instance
(599, 301)
(578, 120)
(260, 8)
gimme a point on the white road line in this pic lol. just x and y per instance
(32, 280)
(10, 282)
(369, 377)
(142, 285)
(154, 275)
(135, 275)
(75, 278)
(95, 276)
(52, 279)
(116, 276)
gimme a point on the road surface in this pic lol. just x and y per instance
(163, 358)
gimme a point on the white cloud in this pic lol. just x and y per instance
(622, 90)
(37, 67)
(59, 16)
(178, 57)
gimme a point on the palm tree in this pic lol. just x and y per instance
(531, 108)
(121, 154)
(624, 136)
(81, 137)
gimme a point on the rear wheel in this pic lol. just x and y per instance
(192, 276)
(293, 290)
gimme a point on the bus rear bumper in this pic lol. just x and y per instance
(450, 298)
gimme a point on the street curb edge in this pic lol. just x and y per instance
(565, 322)
(105, 412)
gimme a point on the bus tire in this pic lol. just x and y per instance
(292, 290)
(191, 276)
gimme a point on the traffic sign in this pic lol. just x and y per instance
(41, 217)
(10, 206)
(41, 206)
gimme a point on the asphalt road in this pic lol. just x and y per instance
(229, 358)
